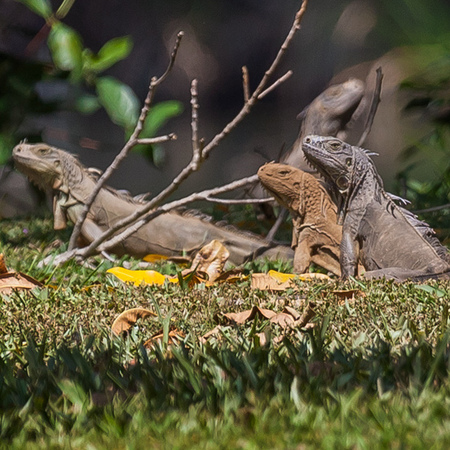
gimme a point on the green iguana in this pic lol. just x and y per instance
(327, 115)
(315, 234)
(169, 234)
(388, 240)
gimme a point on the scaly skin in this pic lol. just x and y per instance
(388, 240)
(315, 234)
(169, 234)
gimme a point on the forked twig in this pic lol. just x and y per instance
(200, 152)
(132, 141)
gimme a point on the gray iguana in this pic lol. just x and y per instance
(327, 115)
(316, 236)
(169, 234)
(388, 240)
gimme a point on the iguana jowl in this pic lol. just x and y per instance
(387, 239)
(315, 235)
(168, 234)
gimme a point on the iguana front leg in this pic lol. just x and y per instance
(349, 254)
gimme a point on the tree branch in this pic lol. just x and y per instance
(200, 152)
(132, 141)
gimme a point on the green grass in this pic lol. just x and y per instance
(373, 373)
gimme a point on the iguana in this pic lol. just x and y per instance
(168, 234)
(327, 115)
(316, 236)
(388, 240)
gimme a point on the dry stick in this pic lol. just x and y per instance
(89, 250)
(134, 140)
(197, 196)
(196, 158)
(244, 201)
(373, 107)
(280, 80)
(245, 83)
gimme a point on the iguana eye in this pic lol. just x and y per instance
(43, 150)
(334, 145)
(348, 161)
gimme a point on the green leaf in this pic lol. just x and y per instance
(87, 104)
(66, 48)
(159, 115)
(113, 51)
(40, 7)
(119, 101)
(430, 289)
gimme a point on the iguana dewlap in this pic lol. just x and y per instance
(169, 234)
(315, 235)
(388, 240)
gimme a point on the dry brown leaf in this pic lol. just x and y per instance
(231, 276)
(264, 281)
(3, 268)
(216, 330)
(128, 318)
(211, 259)
(10, 281)
(349, 293)
(249, 314)
(175, 337)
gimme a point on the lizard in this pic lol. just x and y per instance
(387, 239)
(169, 234)
(327, 115)
(316, 236)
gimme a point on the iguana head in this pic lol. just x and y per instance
(335, 159)
(43, 165)
(283, 182)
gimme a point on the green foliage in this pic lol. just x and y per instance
(373, 372)
(84, 69)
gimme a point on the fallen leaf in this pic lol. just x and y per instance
(128, 318)
(264, 281)
(153, 258)
(348, 293)
(10, 281)
(138, 276)
(3, 268)
(211, 259)
(244, 316)
(174, 337)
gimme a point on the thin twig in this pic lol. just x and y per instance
(243, 201)
(205, 150)
(156, 140)
(127, 147)
(245, 83)
(203, 195)
(196, 158)
(276, 226)
(433, 209)
(280, 80)
(373, 107)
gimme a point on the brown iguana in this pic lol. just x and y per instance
(168, 234)
(315, 235)
(388, 240)
(327, 115)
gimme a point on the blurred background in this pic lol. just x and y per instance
(74, 74)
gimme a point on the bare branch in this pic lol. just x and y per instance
(196, 151)
(245, 83)
(156, 140)
(433, 209)
(280, 80)
(373, 107)
(92, 248)
(244, 201)
(128, 146)
(190, 168)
